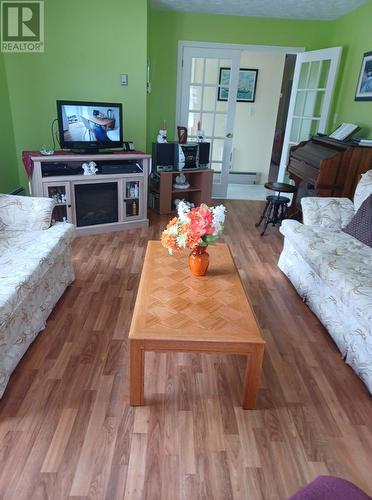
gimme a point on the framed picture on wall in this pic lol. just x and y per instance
(246, 86)
(364, 88)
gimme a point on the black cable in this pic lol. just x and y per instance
(53, 134)
(57, 138)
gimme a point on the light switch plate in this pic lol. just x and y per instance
(124, 79)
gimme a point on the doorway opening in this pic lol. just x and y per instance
(260, 125)
(281, 121)
(242, 132)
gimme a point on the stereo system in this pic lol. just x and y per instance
(165, 155)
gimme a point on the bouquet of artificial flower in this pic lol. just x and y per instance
(193, 227)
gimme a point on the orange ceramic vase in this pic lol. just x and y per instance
(199, 261)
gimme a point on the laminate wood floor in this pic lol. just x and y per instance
(66, 430)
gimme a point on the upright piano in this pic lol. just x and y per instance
(325, 167)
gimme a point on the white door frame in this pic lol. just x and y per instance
(332, 53)
(235, 50)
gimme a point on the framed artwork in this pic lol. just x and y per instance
(364, 88)
(246, 86)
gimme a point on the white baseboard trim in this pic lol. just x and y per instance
(244, 177)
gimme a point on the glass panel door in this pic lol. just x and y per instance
(132, 198)
(60, 193)
(313, 84)
(209, 90)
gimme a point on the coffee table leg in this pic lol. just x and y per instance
(252, 378)
(137, 372)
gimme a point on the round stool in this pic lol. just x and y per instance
(276, 208)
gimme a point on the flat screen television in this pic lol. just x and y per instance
(90, 126)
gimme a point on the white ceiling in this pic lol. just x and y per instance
(289, 9)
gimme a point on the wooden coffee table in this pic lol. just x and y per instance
(176, 311)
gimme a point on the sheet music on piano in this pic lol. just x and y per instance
(344, 131)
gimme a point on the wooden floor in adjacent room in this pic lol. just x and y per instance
(67, 431)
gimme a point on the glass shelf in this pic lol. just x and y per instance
(58, 194)
(132, 190)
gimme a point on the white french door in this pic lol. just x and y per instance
(313, 84)
(209, 87)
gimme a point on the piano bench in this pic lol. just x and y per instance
(276, 209)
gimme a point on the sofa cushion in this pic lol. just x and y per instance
(341, 260)
(25, 256)
(360, 225)
(363, 189)
(25, 213)
(327, 212)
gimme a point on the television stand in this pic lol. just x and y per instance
(98, 203)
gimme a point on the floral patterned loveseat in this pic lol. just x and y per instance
(35, 269)
(332, 272)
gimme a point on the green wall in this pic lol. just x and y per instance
(166, 28)
(8, 161)
(354, 33)
(88, 43)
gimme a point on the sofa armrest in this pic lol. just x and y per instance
(25, 213)
(62, 230)
(334, 213)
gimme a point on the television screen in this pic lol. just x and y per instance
(89, 125)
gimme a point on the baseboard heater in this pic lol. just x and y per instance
(244, 177)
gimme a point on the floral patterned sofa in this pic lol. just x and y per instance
(332, 272)
(35, 269)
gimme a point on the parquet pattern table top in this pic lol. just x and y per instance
(173, 304)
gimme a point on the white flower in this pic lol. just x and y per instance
(182, 209)
(218, 217)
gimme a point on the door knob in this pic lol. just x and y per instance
(229, 135)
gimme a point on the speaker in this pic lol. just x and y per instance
(204, 150)
(165, 154)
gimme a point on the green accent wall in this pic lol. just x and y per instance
(167, 28)
(88, 44)
(8, 161)
(354, 33)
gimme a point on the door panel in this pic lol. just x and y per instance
(202, 96)
(313, 84)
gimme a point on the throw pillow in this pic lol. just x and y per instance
(363, 189)
(360, 225)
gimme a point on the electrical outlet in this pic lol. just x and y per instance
(124, 79)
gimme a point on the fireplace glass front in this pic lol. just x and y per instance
(96, 203)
